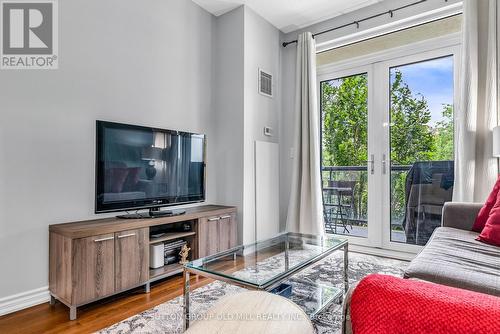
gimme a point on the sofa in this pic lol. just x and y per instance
(452, 257)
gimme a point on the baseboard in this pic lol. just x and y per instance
(24, 300)
(382, 252)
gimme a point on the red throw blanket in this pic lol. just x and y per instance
(387, 304)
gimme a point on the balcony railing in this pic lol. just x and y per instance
(352, 181)
(345, 195)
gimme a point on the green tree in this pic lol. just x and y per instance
(443, 134)
(345, 120)
(412, 138)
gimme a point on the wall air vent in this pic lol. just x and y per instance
(265, 83)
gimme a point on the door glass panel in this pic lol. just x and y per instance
(421, 152)
(344, 117)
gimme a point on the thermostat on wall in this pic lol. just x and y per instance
(268, 131)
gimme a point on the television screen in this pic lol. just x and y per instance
(139, 167)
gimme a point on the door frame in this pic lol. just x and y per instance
(378, 123)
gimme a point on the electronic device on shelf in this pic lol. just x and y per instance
(156, 256)
(160, 231)
(141, 167)
(172, 250)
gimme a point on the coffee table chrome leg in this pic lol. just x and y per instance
(287, 261)
(186, 299)
(346, 267)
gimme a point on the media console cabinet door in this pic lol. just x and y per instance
(93, 268)
(208, 230)
(227, 232)
(216, 234)
(131, 258)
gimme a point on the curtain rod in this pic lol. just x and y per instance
(356, 23)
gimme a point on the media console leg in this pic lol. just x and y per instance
(52, 300)
(147, 287)
(72, 313)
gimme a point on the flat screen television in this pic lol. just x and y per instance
(139, 167)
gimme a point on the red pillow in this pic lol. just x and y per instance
(484, 213)
(491, 230)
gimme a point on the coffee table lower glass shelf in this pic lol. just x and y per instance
(270, 264)
(312, 297)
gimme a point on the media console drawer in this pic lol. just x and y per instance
(91, 260)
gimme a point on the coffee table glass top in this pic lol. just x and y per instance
(263, 264)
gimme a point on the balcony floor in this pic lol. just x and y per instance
(362, 231)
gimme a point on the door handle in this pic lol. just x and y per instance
(126, 235)
(372, 164)
(104, 239)
(225, 217)
(213, 219)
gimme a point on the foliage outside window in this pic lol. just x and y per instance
(414, 137)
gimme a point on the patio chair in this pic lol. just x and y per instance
(338, 205)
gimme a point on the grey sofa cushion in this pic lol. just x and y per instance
(460, 215)
(453, 257)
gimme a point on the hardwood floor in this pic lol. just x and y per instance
(93, 317)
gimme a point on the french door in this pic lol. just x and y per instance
(387, 146)
(348, 155)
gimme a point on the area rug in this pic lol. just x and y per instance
(167, 317)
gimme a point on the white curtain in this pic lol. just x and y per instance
(476, 114)
(305, 208)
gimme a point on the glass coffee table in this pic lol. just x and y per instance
(269, 265)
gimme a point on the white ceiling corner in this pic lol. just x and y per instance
(288, 15)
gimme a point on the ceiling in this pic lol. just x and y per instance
(288, 15)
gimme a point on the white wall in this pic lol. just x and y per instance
(141, 62)
(167, 64)
(262, 50)
(245, 42)
(229, 105)
(288, 59)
